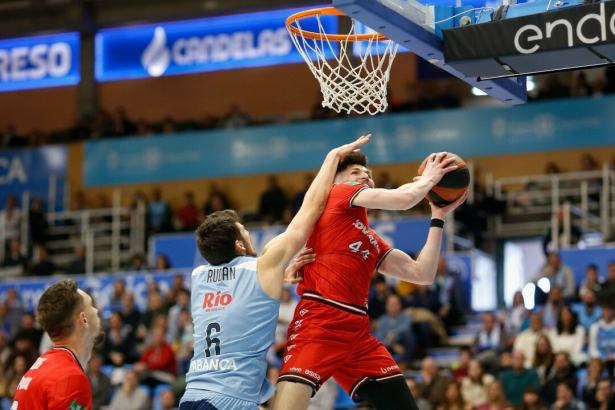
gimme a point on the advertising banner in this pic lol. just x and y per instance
(39, 62)
(30, 169)
(210, 44)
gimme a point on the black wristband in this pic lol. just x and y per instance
(436, 223)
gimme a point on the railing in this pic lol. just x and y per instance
(534, 203)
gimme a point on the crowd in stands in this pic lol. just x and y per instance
(553, 87)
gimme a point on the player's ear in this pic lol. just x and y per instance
(83, 321)
(239, 246)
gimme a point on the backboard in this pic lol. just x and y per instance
(491, 45)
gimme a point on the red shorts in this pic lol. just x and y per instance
(325, 341)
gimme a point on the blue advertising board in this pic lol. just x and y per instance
(30, 169)
(99, 286)
(579, 259)
(211, 44)
(39, 62)
(535, 127)
(409, 235)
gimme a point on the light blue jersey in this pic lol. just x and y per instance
(234, 326)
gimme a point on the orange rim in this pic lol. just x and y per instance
(327, 11)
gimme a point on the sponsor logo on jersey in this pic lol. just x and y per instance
(303, 312)
(216, 301)
(76, 406)
(388, 369)
(365, 230)
(201, 365)
(287, 358)
(297, 324)
(292, 337)
(312, 374)
(296, 369)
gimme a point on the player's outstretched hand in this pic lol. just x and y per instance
(437, 166)
(346, 149)
(292, 272)
(441, 213)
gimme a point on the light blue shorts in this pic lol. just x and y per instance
(214, 401)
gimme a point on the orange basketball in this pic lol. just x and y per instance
(452, 185)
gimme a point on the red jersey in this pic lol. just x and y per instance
(55, 382)
(347, 250)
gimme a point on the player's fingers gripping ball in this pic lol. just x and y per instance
(452, 185)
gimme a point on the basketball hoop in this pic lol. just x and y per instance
(347, 84)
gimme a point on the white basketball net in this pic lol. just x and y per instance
(348, 83)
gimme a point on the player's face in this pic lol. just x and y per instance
(245, 235)
(358, 173)
(94, 322)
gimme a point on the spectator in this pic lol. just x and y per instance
(177, 286)
(450, 292)
(376, 305)
(99, 382)
(592, 281)
(550, 311)
(37, 222)
(558, 274)
(182, 303)
(287, 311)
(119, 289)
(157, 364)
(553, 88)
(543, 358)
(155, 307)
(15, 263)
(272, 201)
(580, 86)
(517, 378)
(604, 399)
(588, 313)
(445, 97)
(188, 214)
(526, 340)
(424, 296)
(162, 262)
(460, 371)
(568, 336)
(120, 345)
(5, 350)
(609, 285)
(168, 400)
(44, 267)
(217, 201)
(452, 398)
(563, 372)
(29, 330)
(394, 329)
(595, 371)
(158, 213)
(565, 399)
(474, 387)
(22, 347)
(514, 316)
(532, 400)
(78, 265)
(235, 118)
(298, 199)
(602, 335)
(130, 396)
(496, 400)
(421, 403)
(11, 214)
(137, 264)
(129, 312)
(489, 343)
(432, 384)
(168, 126)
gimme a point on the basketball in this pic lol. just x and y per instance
(452, 185)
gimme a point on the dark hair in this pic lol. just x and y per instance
(58, 306)
(574, 321)
(592, 266)
(354, 158)
(216, 237)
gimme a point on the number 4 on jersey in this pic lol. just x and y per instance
(356, 248)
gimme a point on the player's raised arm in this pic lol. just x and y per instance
(407, 195)
(421, 271)
(281, 249)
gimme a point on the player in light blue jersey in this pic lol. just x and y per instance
(235, 300)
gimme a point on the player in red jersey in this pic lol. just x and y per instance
(57, 381)
(330, 333)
